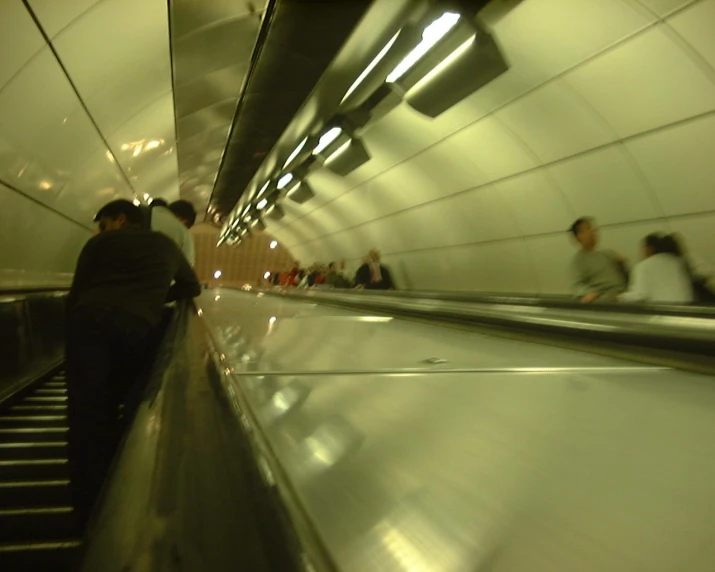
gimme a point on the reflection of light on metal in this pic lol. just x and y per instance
(137, 202)
(370, 67)
(217, 297)
(200, 312)
(45, 185)
(217, 274)
(273, 243)
(260, 295)
(110, 156)
(430, 36)
(152, 144)
(125, 146)
(266, 275)
(446, 62)
(402, 549)
(272, 320)
(137, 151)
(327, 138)
(381, 319)
(147, 196)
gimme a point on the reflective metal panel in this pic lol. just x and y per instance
(508, 472)
(212, 43)
(269, 334)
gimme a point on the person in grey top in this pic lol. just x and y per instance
(597, 274)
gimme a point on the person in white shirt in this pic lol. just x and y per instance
(165, 220)
(662, 276)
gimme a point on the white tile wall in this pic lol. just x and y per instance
(644, 84)
(19, 39)
(607, 185)
(695, 25)
(54, 15)
(679, 165)
(555, 122)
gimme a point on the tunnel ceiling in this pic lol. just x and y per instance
(212, 44)
(301, 39)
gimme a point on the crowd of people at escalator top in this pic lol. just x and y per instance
(666, 274)
(371, 275)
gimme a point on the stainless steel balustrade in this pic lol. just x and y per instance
(377, 443)
(683, 328)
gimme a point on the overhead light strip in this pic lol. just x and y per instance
(430, 36)
(327, 138)
(284, 181)
(295, 152)
(370, 67)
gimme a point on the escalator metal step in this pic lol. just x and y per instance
(24, 524)
(33, 468)
(33, 450)
(38, 556)
(50, 391)
(44, 399)
(33, 434)
(38, 408)
(41, 420)
(55, 384)
(34, 493)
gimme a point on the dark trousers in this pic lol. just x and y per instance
(106, 351)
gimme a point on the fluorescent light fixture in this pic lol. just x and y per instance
(446, 61)
(295, 152)
(273, 244)
(326, 139)
(263, 189)
(430, 36)
(217, 274)
(262, 204)
(370, 67)
(284, 180)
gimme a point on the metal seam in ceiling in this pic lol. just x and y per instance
(301, 41)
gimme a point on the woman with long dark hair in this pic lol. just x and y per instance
(662, 276)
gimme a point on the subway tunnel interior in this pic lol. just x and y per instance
(413, 430)
(606, 110)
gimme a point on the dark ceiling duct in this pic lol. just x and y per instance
(302, 38)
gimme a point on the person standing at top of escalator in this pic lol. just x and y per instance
(372, 275)
(597, 274)
(122, 280)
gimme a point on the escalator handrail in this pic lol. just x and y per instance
(653, 329)
(545, 301)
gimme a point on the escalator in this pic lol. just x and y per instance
(37, 527)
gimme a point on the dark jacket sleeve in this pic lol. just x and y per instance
(387, 278)
(362, 276)
(186, 284)
(82, 273)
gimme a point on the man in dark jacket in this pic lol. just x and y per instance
(123, 279)
(372, 275)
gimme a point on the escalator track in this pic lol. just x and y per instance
(37, 525)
